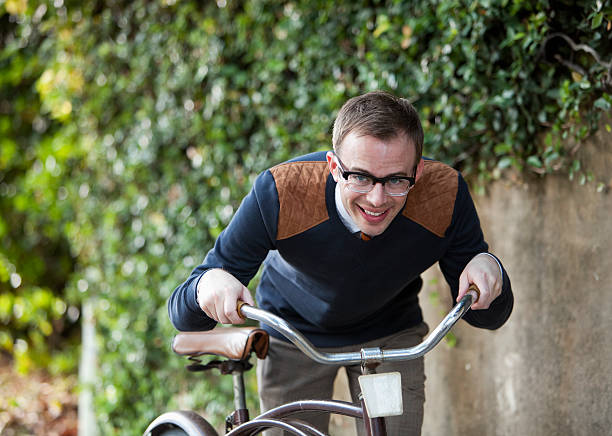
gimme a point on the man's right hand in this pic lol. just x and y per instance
(218, 295)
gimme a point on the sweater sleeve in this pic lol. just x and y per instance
(240, 249)
(466, 241)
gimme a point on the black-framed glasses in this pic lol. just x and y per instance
(395, 186)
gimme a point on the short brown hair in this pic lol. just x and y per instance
(381, 115)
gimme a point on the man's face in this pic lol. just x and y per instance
(373, 211)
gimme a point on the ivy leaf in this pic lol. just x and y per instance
(603, 104)
(451, 340)
(597, 20)
(503, 148)
(576, 77)
(383, 25)
(505, 162)
(534, 161)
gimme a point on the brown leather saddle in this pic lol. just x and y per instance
(235, 343)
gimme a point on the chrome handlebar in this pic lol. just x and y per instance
(366, 356)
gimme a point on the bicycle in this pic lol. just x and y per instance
(380, 396)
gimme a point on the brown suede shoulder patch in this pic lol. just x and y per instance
(432, 200)
(301, 194)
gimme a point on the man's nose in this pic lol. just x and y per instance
(376, 196)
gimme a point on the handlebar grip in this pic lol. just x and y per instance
(473, 289)
(239, 305)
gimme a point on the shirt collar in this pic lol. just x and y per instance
(343, 214)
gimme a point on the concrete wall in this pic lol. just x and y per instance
(548, 371)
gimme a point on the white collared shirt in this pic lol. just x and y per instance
(343, 214)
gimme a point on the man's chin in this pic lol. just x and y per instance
(373, 230)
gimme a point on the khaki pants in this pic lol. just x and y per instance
(288, 375)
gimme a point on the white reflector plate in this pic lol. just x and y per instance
(382, 394)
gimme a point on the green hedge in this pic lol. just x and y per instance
(130, 131)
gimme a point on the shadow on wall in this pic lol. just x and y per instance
(547, 371)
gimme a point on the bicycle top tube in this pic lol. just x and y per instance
(367, 355)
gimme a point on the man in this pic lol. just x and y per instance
(345, 236)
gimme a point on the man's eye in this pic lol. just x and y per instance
(359, 178)
(395, 181)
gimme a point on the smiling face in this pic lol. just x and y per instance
(373, 211)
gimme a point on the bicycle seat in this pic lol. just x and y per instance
(235, 343)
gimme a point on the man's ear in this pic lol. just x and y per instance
(419, 169)
(331, 163)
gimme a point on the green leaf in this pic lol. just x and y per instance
(603, 104)
(597, 20)
(505, 162)
(383, 24)
(451, 340)
(503, 148)
(534, 161)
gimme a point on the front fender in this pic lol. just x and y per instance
(190, 422)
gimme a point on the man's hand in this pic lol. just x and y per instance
(218, 295)
(484, 272)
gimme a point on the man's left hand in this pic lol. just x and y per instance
(484, 272)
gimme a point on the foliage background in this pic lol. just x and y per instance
(130, 131)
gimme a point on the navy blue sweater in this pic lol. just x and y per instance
(332, 286)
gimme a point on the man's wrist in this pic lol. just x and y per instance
(501, 270)
(197, 288)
